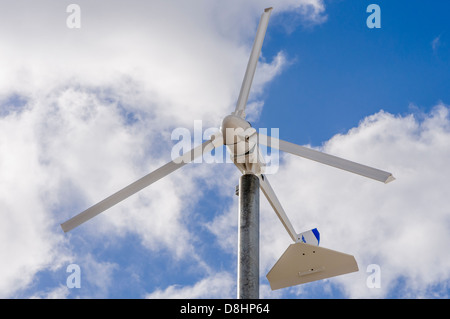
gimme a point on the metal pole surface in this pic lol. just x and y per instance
(248, 237)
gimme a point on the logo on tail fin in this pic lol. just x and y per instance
(311, 237)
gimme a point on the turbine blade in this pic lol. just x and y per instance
(276, 205)
(326, 159)
(252, 62)
(139, 184)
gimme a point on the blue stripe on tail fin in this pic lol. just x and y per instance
(311, 237)
(317, 234)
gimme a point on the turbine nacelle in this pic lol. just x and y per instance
(242, 142)
(234, 124)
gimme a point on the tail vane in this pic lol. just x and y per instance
(302, 263)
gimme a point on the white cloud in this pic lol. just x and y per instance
(97, 105)
(60, 292)
(219, 285)
(28, 241)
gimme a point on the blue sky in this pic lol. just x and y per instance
(84, 112)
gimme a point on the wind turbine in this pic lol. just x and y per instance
(303, 261)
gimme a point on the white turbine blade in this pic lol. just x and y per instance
(139, 185)
(276, 205)
(120, 196)
(252, 62)
(327, 159)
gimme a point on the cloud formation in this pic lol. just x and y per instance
(220, 285)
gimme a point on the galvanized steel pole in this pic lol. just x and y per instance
(248, 237)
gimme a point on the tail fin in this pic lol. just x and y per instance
(302, 263)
